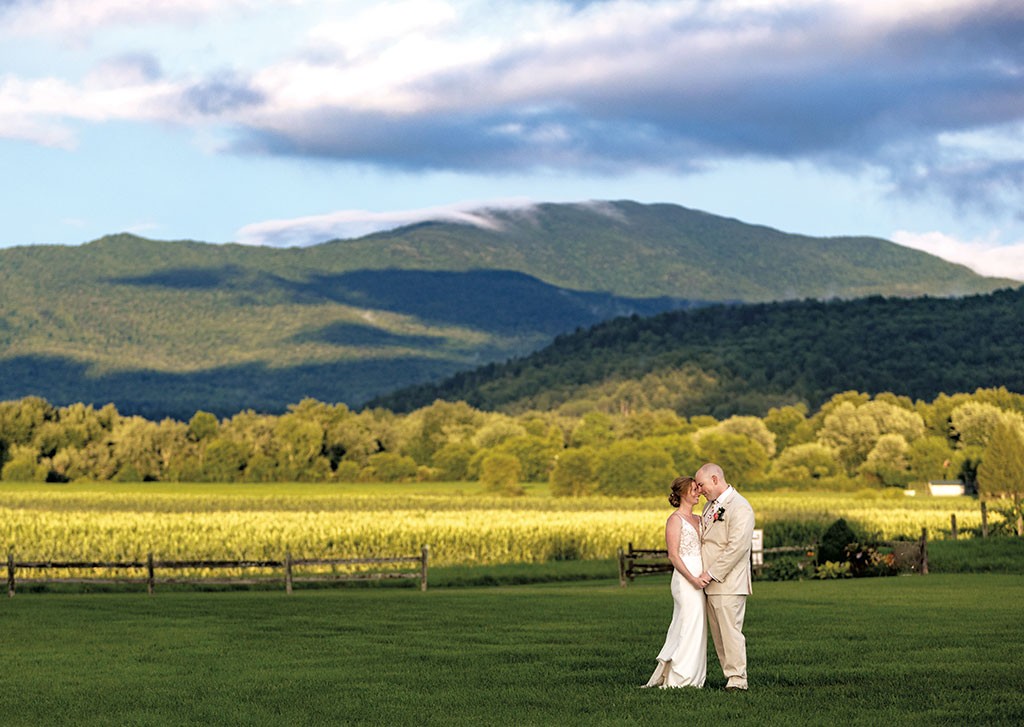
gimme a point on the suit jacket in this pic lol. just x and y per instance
(725, 547)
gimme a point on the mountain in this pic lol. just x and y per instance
(743, 359)
(639, 250)
(163, 328)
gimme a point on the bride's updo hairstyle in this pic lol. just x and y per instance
(679, 486)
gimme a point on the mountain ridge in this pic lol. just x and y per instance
(745, 359)
(677, 249)
(164, 327)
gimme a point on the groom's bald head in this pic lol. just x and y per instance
(711, 481)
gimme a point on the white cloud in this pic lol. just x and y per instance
(381, 25)
(346, 224)
(43, 133)
(39, 110)
(80, 17)
(984, 257)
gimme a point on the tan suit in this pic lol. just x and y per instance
(728, 527)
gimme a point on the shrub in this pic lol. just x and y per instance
(831, 569)
(390, 467)
(865, 560)
(834, 542)
(347, 471)
(783, 568)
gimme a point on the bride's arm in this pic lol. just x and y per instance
(673, 531)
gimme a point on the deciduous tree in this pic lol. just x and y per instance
(973, 423)
(805, 463)
(573, 474)
(743, 459)
(789, 424)
(888, 462)
(1001, 473)
(500, 473)
(630, 467)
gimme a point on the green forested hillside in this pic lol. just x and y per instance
(166, 328)
(723, 359)
(663, 249)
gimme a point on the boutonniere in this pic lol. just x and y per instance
(719, 515)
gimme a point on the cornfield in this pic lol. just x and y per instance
(119, 523)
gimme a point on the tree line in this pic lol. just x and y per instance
(854, 440)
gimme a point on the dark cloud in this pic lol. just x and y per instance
(974, 185)
(220, 95)
(499, 141)
(799, 86)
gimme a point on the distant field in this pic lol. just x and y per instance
(462, 525)
(886, 651)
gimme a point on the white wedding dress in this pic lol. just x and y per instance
(683, 660)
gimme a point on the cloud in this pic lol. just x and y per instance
(19, 128)
(78, 19)
(619, 86)
(984, 257)
(347, 224)
(125, 69)
(490, 143)
(611, 87)
(218, 96)
(42, 110)
(980, 170)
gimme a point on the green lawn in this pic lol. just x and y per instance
(941, 649)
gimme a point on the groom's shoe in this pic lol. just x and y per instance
(734, 688)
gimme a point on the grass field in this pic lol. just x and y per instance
(941, 649)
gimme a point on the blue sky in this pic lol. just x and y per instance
(288, 122)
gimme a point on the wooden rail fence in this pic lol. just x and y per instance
(288, 565)
(635, 562)
(909, 554)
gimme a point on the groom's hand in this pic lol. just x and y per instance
(705, 579)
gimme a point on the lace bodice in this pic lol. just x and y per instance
(689, 540)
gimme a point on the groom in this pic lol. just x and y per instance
(728, 526)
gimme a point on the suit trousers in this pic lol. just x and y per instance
(725, 617)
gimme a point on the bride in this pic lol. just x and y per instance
(682, 661)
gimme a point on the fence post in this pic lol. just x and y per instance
(288, 573)
(622, 568)
(150, 577)
(10, 574)
(757, 551)
(924, 551)
(424, 558)
(984, 519)
(952, 525)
